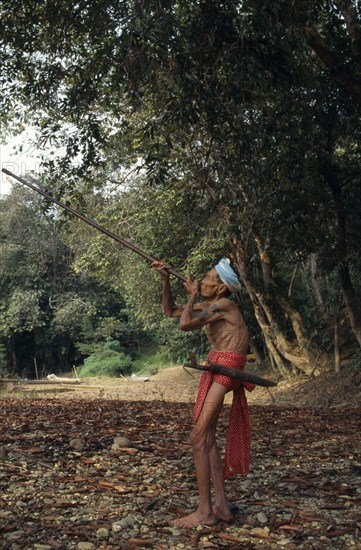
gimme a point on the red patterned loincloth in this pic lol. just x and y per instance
(237, 457)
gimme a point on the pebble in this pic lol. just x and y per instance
(14, 535)
(3, 453)
(257, 531)
(42, 547)
(121, 441)
(103, 533)
(85, 546)
(77, 444)
(262, 518)
(247, 484)
(284, 542)
(131, 520)
(117, 526)
(123, 524)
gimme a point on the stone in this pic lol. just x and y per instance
(85, 545)
(259, 532)
(284, 542)
(3, 453)
(247, 484)
(262, 518)
(103, 533)
(124, 523)
(121, 441)
(117, 526)
(14, 535)
(76, 444)
(131, 520)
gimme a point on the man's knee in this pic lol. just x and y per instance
(202, 439)
(198, 439)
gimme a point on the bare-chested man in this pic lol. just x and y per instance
(228, 336)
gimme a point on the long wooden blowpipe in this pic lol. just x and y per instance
(92, 223)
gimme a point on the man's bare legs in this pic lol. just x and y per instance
(220, 506)
(207, 462)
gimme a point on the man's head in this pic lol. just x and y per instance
(228, 276)
(212, 286)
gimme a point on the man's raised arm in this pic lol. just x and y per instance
(169, 307)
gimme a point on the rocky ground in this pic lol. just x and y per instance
(68, 483)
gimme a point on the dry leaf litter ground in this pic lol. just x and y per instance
(68, 483)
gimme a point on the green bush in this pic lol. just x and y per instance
(151, 362)
(3, 361)
(106, 360)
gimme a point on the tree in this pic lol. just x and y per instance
(252, 109)
(46, 308)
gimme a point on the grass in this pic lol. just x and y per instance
(150, 363)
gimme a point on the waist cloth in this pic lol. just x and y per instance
(238, 441)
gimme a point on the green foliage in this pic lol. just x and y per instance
(22, 312)
(46, 308)
(356, 360)
(149, 363)
(74, 315)
(106, 360)
(203, 123)
(3, 361)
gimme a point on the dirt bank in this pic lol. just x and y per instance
(179, 385)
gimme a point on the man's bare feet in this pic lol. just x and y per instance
(222, 513)
(195, 519)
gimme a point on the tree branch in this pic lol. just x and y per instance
(339, 71)
(352, 24)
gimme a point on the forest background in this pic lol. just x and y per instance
(196, 130)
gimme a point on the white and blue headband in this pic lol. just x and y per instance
(228, 276)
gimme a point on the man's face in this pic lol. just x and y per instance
(210, 284)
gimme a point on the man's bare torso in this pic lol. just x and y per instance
(229, 333)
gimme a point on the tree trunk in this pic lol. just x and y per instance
(14, 362)
(314, 281)
(349, 294)
(339, 71)
(351, 301)
(265, 261)
(257, 354)
(337, 345)
(287, 355)
(307, 361)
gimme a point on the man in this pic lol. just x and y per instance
(228, 336)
